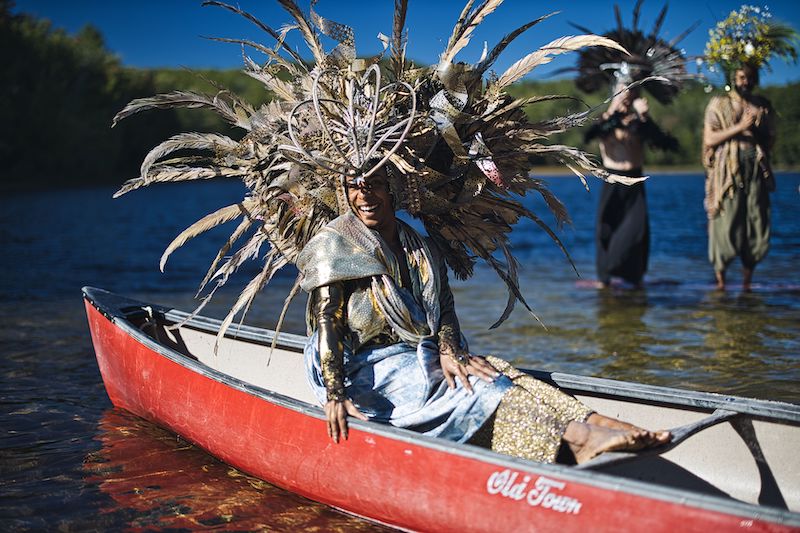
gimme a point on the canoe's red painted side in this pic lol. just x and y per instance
(398, 483)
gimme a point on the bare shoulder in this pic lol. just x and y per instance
(717, 100)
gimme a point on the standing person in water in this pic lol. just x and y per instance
(622, 232)
(328, 164)
(738, 136)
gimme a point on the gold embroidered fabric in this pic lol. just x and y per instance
(328, 308)
(531, 418)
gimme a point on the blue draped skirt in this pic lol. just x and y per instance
(404, 386)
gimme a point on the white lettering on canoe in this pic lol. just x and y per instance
(543, 492)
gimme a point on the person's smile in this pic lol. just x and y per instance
(371, 201)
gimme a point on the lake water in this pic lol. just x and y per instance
(69, 461)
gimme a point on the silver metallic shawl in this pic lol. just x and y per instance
(346, 250)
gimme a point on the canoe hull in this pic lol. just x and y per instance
(419, 485)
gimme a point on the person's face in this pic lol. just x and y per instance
(371, 201)
(744, 80)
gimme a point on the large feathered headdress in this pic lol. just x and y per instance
(458, 145)
(650, 56)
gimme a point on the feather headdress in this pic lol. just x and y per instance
(650, 57)
(458, 145)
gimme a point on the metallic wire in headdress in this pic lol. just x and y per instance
(650, 56)
(457, 146)
(353, 136)
(356, 128)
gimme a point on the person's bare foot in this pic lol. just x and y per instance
(720, 277)
(600, 434)
(600, 440)
(587, 441)
(747, 279)
(656, 438)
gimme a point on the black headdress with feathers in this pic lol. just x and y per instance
(649, 56)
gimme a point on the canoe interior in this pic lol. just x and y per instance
(752, 458)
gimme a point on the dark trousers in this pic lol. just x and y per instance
(622, 236)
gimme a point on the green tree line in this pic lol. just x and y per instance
(60, 93)
(683, 119)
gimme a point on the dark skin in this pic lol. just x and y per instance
(371, 201)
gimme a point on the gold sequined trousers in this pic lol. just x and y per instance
(531, 417)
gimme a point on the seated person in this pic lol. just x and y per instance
(386, 346)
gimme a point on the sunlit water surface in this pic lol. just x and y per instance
(69, 461)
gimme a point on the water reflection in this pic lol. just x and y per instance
(740, 333)
(734, 325)
(622, 334)
(679, 333)
(165, 483)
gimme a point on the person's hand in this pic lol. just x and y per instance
(760, 112)
(469, 365)
(749, 117)
(618, 105)
(337, 412)
(641, 107)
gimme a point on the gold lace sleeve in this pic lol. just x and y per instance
(449, 329)
(328, 304)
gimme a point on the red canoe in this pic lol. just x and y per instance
(735, 466)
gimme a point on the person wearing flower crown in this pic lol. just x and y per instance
(622, 231)
(327, 165)
(738, 136)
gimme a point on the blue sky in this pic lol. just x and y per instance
(153, 33)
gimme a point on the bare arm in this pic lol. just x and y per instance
(714, 137)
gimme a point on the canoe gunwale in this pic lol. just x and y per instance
(117, 308)
(650, 394)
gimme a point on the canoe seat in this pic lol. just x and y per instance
(679, 434)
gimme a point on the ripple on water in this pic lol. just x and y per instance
(68, 461)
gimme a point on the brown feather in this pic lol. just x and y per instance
(297, 59)
(465, 34)
(306, 30)
(209, 221)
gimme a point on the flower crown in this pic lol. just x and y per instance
(749, 36)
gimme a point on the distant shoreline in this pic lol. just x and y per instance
(10, 187)
(561, 172)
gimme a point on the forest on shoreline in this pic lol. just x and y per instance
(61, 91)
